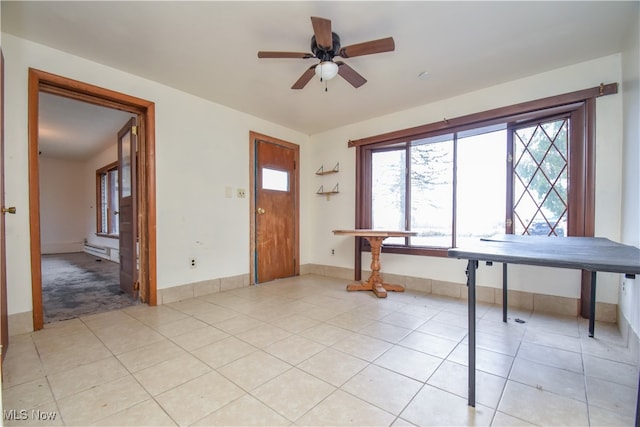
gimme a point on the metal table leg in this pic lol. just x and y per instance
(592, 308)
(471, 284)
(504, 292)
(638, 405)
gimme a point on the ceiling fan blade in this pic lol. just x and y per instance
(304, 78)
(322, 31)
(350, 75)
(300, 55)
(368, 48)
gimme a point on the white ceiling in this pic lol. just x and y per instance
(209, 48)
(75, 130)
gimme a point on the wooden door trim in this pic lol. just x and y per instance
(42, 81)
(253, 136)
(4, 324)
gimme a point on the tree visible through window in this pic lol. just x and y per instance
(501, 171)
(107, 200)
(461, 169)
(540, 178)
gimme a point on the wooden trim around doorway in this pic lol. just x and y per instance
(41, 81)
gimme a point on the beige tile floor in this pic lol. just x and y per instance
(303, 351)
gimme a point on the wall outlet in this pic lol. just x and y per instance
(333, 251)
(241, 193)
(192, 263)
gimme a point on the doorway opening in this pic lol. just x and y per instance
(79, 212)
(144, 111)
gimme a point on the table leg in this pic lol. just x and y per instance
(592, 307)
(638, 405)
(504, 292)
(374, 282)
(471, 284)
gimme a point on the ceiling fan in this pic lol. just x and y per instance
(325, 45)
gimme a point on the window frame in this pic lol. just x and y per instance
(105, 170)
(579, 106)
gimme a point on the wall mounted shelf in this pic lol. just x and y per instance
(335, 169)
(321, 172)
(321, 191)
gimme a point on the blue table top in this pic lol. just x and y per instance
(587, 253)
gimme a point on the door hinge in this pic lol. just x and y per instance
(294, 165)
(134, 130)
(136, 285)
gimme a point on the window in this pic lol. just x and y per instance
(540, 178)
(273, 179)
(501, 171)
(107, 200)
(421, 183)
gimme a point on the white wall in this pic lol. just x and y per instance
(330, 147)
(61, 205)
(630, 289)
(201, 147)
(68, 202)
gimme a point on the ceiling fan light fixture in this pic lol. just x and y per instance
(327, 70)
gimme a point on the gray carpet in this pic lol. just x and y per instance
(78, 284)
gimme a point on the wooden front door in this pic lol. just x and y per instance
(276, 209)
(127, 215)
(4, 329)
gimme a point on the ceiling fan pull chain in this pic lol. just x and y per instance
(326, 89)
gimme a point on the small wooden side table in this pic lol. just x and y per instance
(374, 282)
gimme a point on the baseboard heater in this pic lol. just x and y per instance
(100, 251)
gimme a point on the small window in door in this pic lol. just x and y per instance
(273, 179)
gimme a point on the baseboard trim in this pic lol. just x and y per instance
(605, 312)
(197, 289)
(21, 323)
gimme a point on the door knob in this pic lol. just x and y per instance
(260, 211)
(10, 210)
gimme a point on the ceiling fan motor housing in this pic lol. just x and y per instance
(326, 54)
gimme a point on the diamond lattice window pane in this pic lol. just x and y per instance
(553, 164)
(525, 168)
(554, 206)
(540, 186)
(554, 129)
(539, 145)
